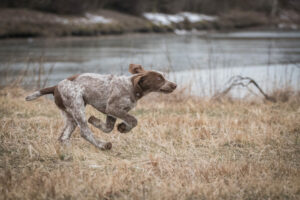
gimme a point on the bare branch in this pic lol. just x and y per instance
(244, 82)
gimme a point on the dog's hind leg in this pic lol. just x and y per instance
(69, 127)
(105, 127)
(78, 113)
(72, 102)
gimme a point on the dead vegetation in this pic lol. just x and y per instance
(182, 148)
(245, 82)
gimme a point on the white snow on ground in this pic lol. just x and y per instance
(194, 17)
(205, 82)
(156, 18)
(87, 19)
(168, 19)
(97, 19)
(163, 19)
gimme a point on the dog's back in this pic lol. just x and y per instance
(97, 89)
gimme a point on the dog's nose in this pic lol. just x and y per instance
(173, 86)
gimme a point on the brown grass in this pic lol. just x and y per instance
(182, 148)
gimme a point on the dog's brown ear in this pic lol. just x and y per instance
(135, 69)
(138, 91)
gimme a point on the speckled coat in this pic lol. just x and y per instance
(109, 94)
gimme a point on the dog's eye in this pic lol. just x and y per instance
(160, 78)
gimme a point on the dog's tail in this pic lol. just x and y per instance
(37, 94)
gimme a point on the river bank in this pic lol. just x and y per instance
(31, 23)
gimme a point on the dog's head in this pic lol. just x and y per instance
(145, 82)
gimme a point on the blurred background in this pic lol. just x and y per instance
(203, 45)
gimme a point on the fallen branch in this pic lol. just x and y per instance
(244, 82)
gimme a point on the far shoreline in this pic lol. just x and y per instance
(24, 24)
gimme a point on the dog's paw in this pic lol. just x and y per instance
(93, 120)
(106, 146)
(122, 128)
(103, 145)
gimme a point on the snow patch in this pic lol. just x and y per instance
(168, 19)
(162, 19)
(97, 19)
(194, 17)
(87, 19)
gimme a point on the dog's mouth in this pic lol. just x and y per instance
(166, 90)
(168, 87)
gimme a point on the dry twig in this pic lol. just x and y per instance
(244, 82)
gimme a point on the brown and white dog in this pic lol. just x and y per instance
(109, 94)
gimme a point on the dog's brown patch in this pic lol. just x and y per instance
(58, 100)
(151, 81)
(72, 78)
(146, 82)
(135, 69)
(57, 96)
(137, 90)
(49, 90)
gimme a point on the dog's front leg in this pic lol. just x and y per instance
(105, 127)
(129, 121)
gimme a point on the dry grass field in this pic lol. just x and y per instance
(182, 148)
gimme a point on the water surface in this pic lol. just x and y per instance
(203, 54)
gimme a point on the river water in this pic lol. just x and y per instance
(202, 61)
